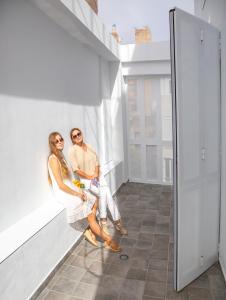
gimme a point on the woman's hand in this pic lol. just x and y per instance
(95, 175)
(83, 196)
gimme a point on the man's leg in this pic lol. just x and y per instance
(111, 204)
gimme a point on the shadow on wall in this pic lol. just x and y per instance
(39, 60)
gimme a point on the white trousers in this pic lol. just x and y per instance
(106, 200)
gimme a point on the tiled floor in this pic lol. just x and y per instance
(95, 273)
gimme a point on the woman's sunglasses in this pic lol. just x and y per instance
(75, 136)
(58, 141)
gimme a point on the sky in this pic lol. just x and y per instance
(130, 14)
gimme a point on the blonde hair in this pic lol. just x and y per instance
(57, 153)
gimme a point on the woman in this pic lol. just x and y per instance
(78, 204)
(85, 164)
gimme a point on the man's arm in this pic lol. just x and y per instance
(97, 172)
(82, 174)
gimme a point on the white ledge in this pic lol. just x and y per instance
(15, 236)
(79, 20)
(109, 166)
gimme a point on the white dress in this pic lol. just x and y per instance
(76, 208)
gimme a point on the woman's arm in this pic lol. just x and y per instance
(56, 170)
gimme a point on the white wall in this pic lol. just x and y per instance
(49, 81)
(154, 51)
(145, 59)
(23, 271)
(215, 13)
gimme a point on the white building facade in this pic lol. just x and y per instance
(146, 70)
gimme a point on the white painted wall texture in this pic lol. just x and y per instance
(214, 12)
(49, 81)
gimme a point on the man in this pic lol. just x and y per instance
(85, 164)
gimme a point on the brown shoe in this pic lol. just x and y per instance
(122, 230)
(113, 246)
(89, 238)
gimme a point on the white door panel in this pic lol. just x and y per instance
(196, 134)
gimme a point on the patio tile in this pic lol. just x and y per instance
(137, 274)
(128, 242)
(159, 254)
(171, 294)
(156, 275)
(162, 228)
(64, 285)
(140, 263)
(219, 294)
(98, 268)
(106, 294)
(202, 282)
(161, 239)
(147, 229)
(170, 276)
(162, 219)
(85, 291)
(118, 269)
(144, 253)
(91, 278)
(158, 264)
(132, 289)
(73, 273)
(217, 282)
(111, 282)
(56, 296)
(170, 265)
(132, 234)
(82, 262)
(152, 298)
(155, 289)
(140, 244)
(199, 292)
(214, 270)
(149, 222)
(146, 236)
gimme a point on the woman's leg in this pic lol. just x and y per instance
(96, 229)
(109, 242)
